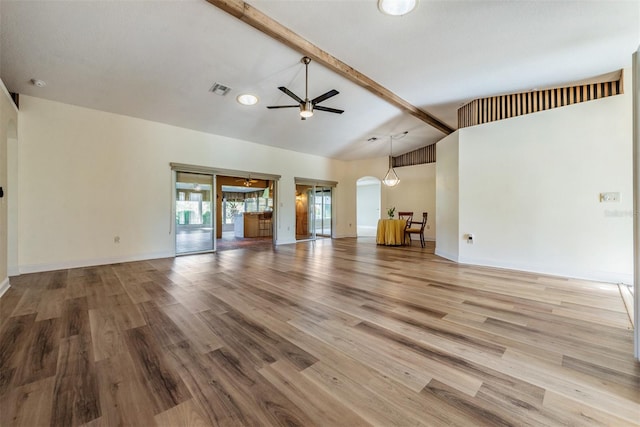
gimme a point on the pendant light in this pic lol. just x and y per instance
(391, 178)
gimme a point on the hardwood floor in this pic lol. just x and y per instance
(336, 333)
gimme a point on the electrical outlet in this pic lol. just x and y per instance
(470, 238)
(116, 239)
(610, 197)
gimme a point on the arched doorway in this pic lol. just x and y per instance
(367, 205)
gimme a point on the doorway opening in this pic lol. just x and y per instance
(314, 209)
(304, 212)
(368, 190)
(246, 212)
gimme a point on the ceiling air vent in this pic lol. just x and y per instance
(219, 89)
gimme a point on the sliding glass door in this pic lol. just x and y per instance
(313, 211)
(322, 211)
(194, 213)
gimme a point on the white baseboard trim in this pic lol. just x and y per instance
(346, 236)
(446, 255)
(36, 268)
(285, 242)
(4, 286)
(13, 271)
(597, 276)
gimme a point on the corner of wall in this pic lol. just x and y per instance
(447, 197)
(4, 286)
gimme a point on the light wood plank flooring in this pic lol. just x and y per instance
(334, 333)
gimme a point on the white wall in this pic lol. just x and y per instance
(11, 194)
(529, 191)
(8, 135)
(636, 190)
(447, 197)
(87, 176)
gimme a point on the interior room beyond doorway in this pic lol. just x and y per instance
(244, 212)
(314, 211)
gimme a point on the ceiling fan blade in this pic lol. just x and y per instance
(330, 110)
(291, 94)
(283, 106)
(324, 96)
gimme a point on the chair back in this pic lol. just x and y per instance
(407, 216)
(422, 223)
(424, 220)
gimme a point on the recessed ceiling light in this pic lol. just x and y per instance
(396, 7)
(247, 99)
(38, 83)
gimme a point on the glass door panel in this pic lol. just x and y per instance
(194, 213)
(323, 211)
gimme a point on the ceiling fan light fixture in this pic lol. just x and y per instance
(396, 7)
(247, 99)
(306, 109)
(306, 105)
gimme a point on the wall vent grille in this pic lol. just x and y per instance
(219, 89)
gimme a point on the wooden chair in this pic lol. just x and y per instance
(417, 230)
(407, 216)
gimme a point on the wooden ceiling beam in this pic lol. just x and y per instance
(252, 16)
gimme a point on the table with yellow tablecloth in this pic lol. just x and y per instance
(390, 232)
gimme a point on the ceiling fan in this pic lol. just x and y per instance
(247, 181)
(308, 106)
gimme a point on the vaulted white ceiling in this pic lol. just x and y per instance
(156, 60)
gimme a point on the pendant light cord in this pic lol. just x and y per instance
(390, 152)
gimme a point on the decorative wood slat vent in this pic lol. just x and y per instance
(416, 157)
(501, 107)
